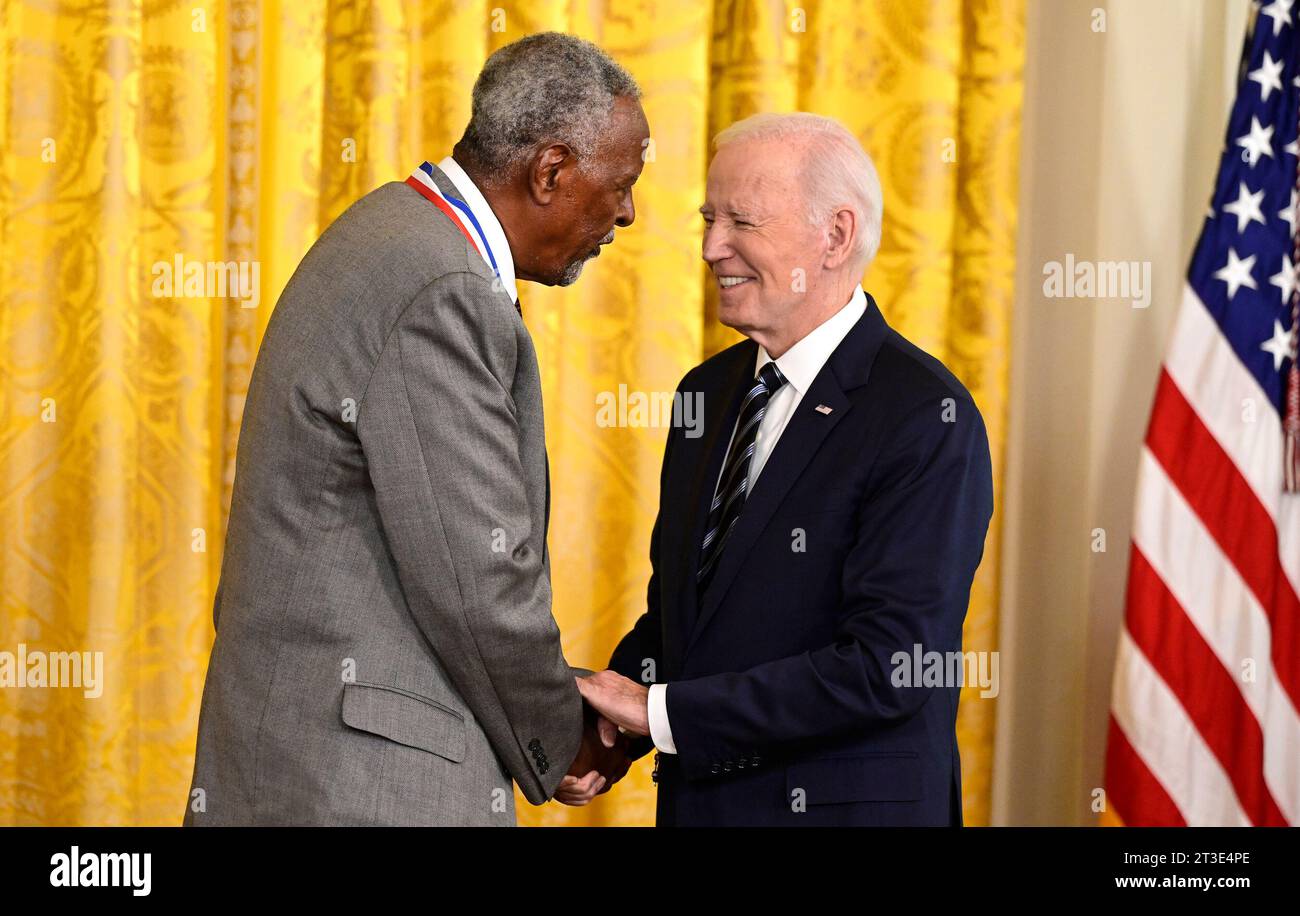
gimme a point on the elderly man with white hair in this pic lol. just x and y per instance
(815, 547)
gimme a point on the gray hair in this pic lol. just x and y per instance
(548, 86)
(836, 170)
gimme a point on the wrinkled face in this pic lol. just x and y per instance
(595, 196)
(763, 253)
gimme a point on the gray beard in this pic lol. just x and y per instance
(573, 271)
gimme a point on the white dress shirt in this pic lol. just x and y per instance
(496, 236)
(800, 365)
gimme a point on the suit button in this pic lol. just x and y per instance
(741, 763)
(715, 769)
(754, 761)
(726, 767)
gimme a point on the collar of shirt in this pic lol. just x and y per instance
(496, 236)
(801, 363)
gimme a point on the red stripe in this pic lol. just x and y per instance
(1207, 691)
(1234, 517)
(443, 206)
(1131, 790)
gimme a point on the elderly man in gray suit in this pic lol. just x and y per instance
(385, 649)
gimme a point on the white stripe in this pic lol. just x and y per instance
(1223, 392)
(1227, 615)
(1160, 733)
(423, 177)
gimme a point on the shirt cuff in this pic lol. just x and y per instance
(657, 710)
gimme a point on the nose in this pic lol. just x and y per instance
(714, 246)
(626, 213)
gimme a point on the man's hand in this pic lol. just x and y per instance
(619, 700)
(599, 764)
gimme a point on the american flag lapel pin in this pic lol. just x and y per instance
(822, 408)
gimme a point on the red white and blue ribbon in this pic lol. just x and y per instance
(454, 209)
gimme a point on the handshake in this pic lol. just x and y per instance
(614, 707)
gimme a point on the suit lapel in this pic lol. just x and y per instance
(703, 458)
(802, 436)
(847, 368)
(449, 188)
(446, 186)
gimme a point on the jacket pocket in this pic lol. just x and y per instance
(406, 718)
(865, 778)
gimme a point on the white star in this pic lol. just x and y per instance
(1246, 207)
(1293, 147)
(1269, 76)
(1236, 273)
(1288, 214)
(1258, 142)
(1279, 345)
(1285, 279)
(1280, 12)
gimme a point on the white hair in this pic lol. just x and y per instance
(548, 86)
(836, 170)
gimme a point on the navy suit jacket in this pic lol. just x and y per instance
(859, 541)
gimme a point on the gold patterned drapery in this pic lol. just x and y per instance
(135, 133)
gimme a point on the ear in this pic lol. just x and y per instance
(840, 237)
(549, 168)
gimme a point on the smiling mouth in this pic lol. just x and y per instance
(731, 282)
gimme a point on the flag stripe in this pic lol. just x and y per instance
(1132, 792)
(1205, 689)
(1219, 496)
(1239, 415)
(1213, 379)
(1157, 728)
(1209, 591)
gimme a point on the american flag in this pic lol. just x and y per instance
(1204, 728)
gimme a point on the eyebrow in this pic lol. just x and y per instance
(742, 215)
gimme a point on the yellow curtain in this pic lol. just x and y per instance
(133, 134)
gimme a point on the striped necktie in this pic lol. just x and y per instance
(730, 494)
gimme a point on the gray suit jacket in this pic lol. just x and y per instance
(385, 649)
